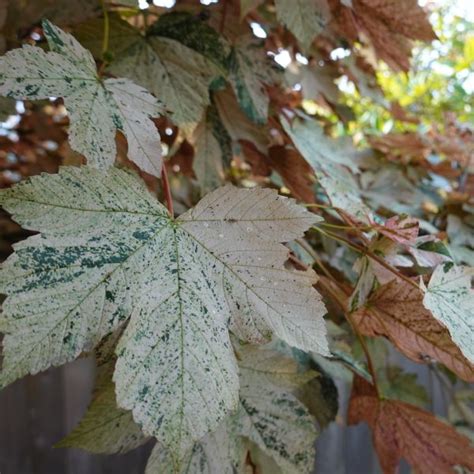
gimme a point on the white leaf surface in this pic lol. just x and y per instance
(270, 415)
(450, 297)
(218, 452)
(96, 108)
(108, 251)
(176, 74)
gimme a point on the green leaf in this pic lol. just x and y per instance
(108, 251)
(450, 297)
(7, 108)
(304, 19)
(399, 385)
(193, 32)
(96, 108)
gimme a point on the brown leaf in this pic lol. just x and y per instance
(238, 126)
(403, 147)
(257, 160)
(390, 25)
(396, 311)
(399, 113)
(295, 171)
(403, 230)
(401, 430)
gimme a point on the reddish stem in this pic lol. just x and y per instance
(224, 14)
(167, 190)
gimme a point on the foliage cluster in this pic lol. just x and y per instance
(315, 217)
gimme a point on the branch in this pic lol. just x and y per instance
(167, 190)
(369, 254)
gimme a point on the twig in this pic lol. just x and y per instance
(348, 316)
(167, 190)
(369, 253)
(105, 39)
(224, 14)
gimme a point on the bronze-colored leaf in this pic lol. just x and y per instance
(401, 430)
(396, 311)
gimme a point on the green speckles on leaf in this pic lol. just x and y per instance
(250, 70)
(178, 74)
(450, 297)
(194, 33)
(96, 109)
(270, 415)
(108, 252)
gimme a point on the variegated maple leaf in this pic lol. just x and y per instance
(269, 415)
(97, 107)
(108, 252)
(450, 297)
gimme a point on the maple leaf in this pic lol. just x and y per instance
(371, 273)
(209, 155)
(221, 451)
(450, 297)
(105, 428)
(238, 125)
(401, 430)
(250, 69)
(97, 108)
(296, 173)
(331, 160)
(178, 75)
(269, 415)
(389, 25)
(396, 311)
(304, 19)
(400, 229)
(108, 251)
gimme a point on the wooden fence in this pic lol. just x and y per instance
(38, 411)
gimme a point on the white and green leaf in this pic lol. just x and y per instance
(450, 297)
(250, 71)
(207, 161)
(105, 428)
(269, 416)
(178, 75)
(221, 451)
(108, 251)
(97, 108)
(269, 413)
(331, 160)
